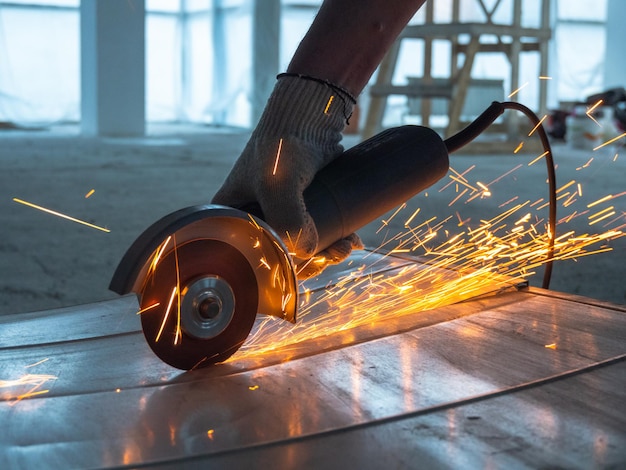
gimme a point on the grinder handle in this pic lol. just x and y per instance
(371, 178)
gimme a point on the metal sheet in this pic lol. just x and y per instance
(464, 385)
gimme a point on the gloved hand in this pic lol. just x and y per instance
(297, 135)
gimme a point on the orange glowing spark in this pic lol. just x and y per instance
(280, 147)
(330, 100)
(544, 77)
(90, 193)
(519, 147)
(34, 381)
(254, 222)
(37, 363)
(167, 314)
(570, 200)
(586, 165)
(463, 183)
(264, 263)
(458, 197)
(178, 336)
(550, 346)
(506, 203)
(537, 126)
(150, 307)
(505, 174)
(459, 176)
(253, 387)
(210, 433)
(600, 201)
(485, 257)
(462, 175)
(590, 110)
(410, 219)
(609, 142)
(118, 390)
(158, 255)
(565, 186)
(58, 214)
(538, 158)
(601, 215)
(515, 92)
(386, 222)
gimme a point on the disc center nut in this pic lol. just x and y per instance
(207, 307)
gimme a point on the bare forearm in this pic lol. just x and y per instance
(349, 38)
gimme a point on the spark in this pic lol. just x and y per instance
(446, 264)
(519, 147)
(385, 223)
(603, 217)
(538, 158)
(37, 363)
(463, 183)
(149, 307)
(550, 346)
(460, 176)
(58, 214)
(544, 77)
(90, 193)
(167, 314)
(515, 92)
(590, 110)
(178, 336)
(505, 174)
(593, 216)
(600, 201)
(34, 381)
(159, 253)
(586, 165)
(254, 222)
(280, 147)
(538, 125)
(458, 197)
(565, 186)
(253, 387)
(330, 100)
(609, 142)
(506, 203)
(410, 219)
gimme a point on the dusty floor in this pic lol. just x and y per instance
(48, 262)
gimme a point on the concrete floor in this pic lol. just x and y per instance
(48, 262)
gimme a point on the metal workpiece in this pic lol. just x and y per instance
(518, 378)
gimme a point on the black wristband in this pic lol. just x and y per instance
(331, 85)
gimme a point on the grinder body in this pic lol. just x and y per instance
(371, 178)
(204, 319)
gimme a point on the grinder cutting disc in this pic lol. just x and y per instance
(205, 293)
(202, 274)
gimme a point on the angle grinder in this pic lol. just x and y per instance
(203, 273)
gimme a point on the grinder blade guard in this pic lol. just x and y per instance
(203, 273)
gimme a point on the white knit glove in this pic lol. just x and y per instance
(297, 135)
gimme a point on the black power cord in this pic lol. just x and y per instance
(479, 125)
